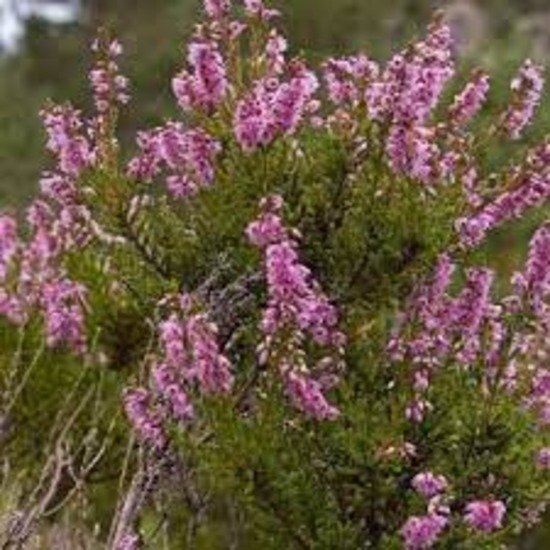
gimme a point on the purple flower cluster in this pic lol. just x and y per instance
(204, 86)
(108, 85)
(62, 302)
(411, 84)
(527, 90)
(274, 107)
(347, 78)
(66, 141)
(257, 9)
(412, 151)
(529, 186)
(429, 485)
(145, 420)
(32, 277)
(441, 328)
(469, 101)
(423, 532)
(485, 515)
(534, 282)
(296, 308)
(188, 156)
(405, 95)
(188, 357)
(129, 542)
(447, 327)
(217, 8)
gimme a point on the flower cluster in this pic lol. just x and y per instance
(428, 484)
(527, 90)
(347, 78)
(188, 156)
(529, 186)
(66, 140)
(449, 328)
(189, 357)
(274, 107)
(32, 277)
(32, 272)
(203, 87)
(217, 8)
(469, 101)
(296, 308)
(485, 516)
(108, 85)
(422, 532)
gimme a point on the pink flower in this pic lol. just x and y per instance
(417, 410)
(412, 82)
(423, 532)
(108, 85)
(485, 515)
(129, 541)
(429, 485)
(145, 420)
(469, 101)
(62, 301)
(307, 395)
(543, 459)
(205, 85)
(296, 307)
(527, 90)
(64, 128)
(533, 190)
(212, 369)
(217, 8)
(273, 108)
(187, 156)
(412, 151)
(347, 78)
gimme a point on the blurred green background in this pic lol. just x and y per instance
(50, 61)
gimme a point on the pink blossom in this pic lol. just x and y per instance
(63, 300)
(527, 90)
(169, 382)
(412, 82)
(417, 410)
(485, 515)
(217, 8)
(423, 532)
(130, 541)
(296, 307)
(272, 108)
(9, 244)
(187, 156)
(469, 101)
(204, 85)
(108, 85)
(307, 395)
(543, 459)
(412, 151)
(347, 78)
(428, 484)
(145, 420)
(211, 368)
(275, 49)
(65, 139)
(256, 8)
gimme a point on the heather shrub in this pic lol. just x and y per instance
(272, 322)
